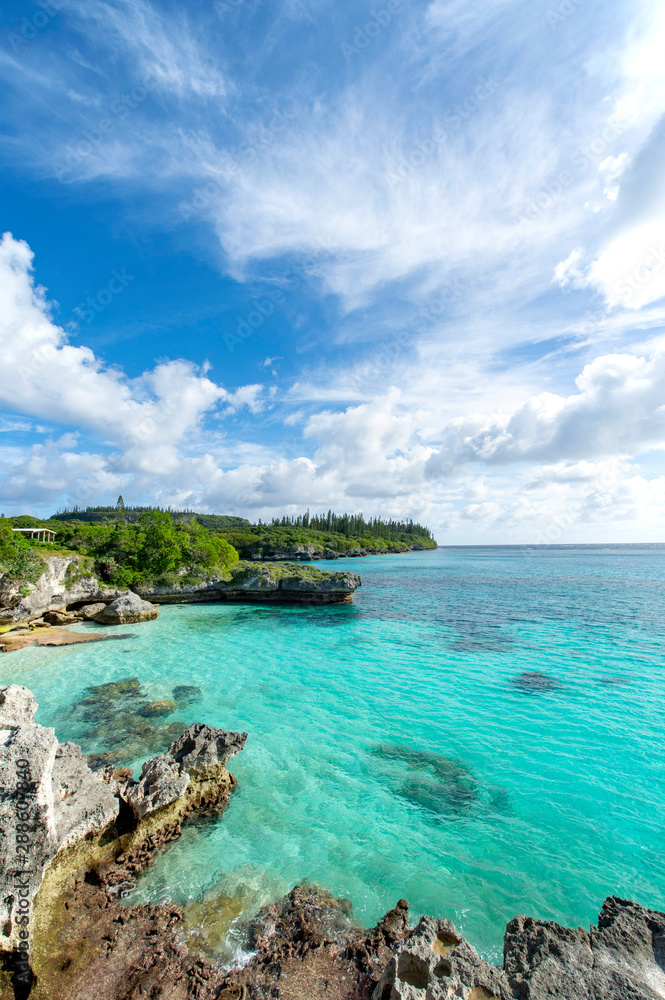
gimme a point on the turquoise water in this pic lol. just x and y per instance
(390, 753)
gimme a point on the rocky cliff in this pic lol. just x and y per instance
(66, 584)
(56, 816)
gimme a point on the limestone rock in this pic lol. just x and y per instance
(434, 963)
(81, 802)
(48, 799)
(622, 959)
(162, 782)
(90, 610)
(201, 752)
(126, 609)
(61, 618)
(66, 580)
(201, 749)
(17, 706)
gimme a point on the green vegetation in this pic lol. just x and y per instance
(127, 546)
(107, 515)
(152, 549)
(335, 533)
(20, 564)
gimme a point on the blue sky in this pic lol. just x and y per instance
(404, 258)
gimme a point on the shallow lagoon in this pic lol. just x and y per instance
(391, 753)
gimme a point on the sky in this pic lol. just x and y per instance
(404, 258)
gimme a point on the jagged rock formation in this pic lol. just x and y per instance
(49, 798)
(125, 610)
(53, 807)
(201, 752)
(622, 959)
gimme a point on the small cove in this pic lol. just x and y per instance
(391, 753)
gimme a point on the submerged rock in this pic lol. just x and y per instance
(532, 681)
(119, 716)
(156, 708)
(442, 785)
(183, 694)
(127, 609)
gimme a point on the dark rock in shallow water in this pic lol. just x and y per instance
(184, 694)
(442, 785)
(157, 708)
(532, 681)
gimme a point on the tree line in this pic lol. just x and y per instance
(353, 525)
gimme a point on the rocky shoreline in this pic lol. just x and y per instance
(65, 586)
(71, 840)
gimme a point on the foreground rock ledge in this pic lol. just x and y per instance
(95, 834)
(58, 817)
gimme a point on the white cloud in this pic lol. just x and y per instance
(148, 418)
(619, 410)
(630, 271)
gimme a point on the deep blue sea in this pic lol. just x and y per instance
(394, 752)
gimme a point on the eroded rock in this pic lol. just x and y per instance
(127, 609)
(48, 799)
(623, 958)
(201, 753)
(162, 782)
(90, 610)
(202, 749)
(17, 706)
(435, 963)
(61, 618)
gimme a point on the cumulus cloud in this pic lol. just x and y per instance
(619, 409)
(147, 419)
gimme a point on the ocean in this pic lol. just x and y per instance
(481, 733)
